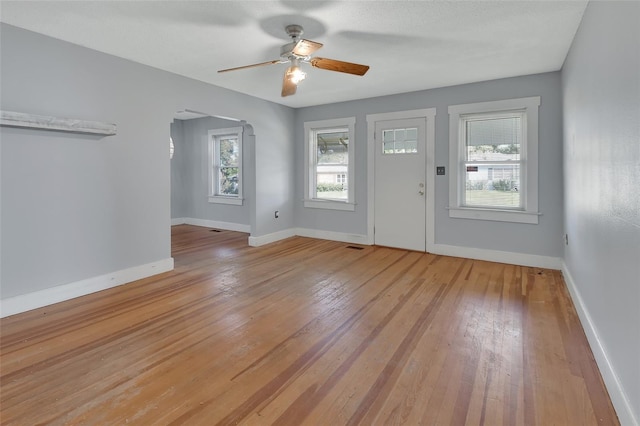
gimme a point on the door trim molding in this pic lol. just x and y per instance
(430, 134)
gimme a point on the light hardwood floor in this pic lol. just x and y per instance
(307, 331)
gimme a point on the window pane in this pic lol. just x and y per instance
(388, 147)
(332, 165)
(495, 139)
(495, 185)
(411, 146)
(229, 152)
(400, 141)
(228, 180)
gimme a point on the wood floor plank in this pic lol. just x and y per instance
(306, 331)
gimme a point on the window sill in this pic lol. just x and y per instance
(217, 199)
(516, 216)
(330, 205)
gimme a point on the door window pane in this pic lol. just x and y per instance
(400, 141)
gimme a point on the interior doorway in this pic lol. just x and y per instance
(212, 173)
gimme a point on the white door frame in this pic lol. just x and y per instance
(429, 114)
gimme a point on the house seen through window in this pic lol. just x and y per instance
(493, 148)
(492, 161)
(329, 163)
(332, 165)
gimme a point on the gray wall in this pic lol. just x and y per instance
(601, 90)
(542, 239)
(191, 173)
(76, 207)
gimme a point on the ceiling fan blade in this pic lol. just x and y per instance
(306, 47)
(275, 61)
(340, 66)
(288, 86)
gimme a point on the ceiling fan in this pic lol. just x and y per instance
(299, 51)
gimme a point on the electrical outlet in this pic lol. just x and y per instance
(440, 170)
(276, 214)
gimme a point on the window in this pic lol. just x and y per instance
(225, 166)
(329, 164)
(493, 149)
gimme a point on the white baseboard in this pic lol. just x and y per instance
(522, 259)
(619, 399)
(178, 221)
(333, 236)
(229, 226)
(311, 233)
(271, 238)
(38, 299)
(443, 249)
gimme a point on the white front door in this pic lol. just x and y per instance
(400, 184)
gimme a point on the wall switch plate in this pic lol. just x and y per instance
(440, 170)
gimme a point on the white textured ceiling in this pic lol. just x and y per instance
(409, 45)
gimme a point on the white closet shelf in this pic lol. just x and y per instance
(45, 122)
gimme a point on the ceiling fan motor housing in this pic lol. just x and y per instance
(294, 31)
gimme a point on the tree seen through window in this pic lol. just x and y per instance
(228, 172)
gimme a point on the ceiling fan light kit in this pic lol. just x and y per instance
(299, 51)
(294, 73)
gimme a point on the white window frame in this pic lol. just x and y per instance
(458, 115)
(311, 128)
(215, 136)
